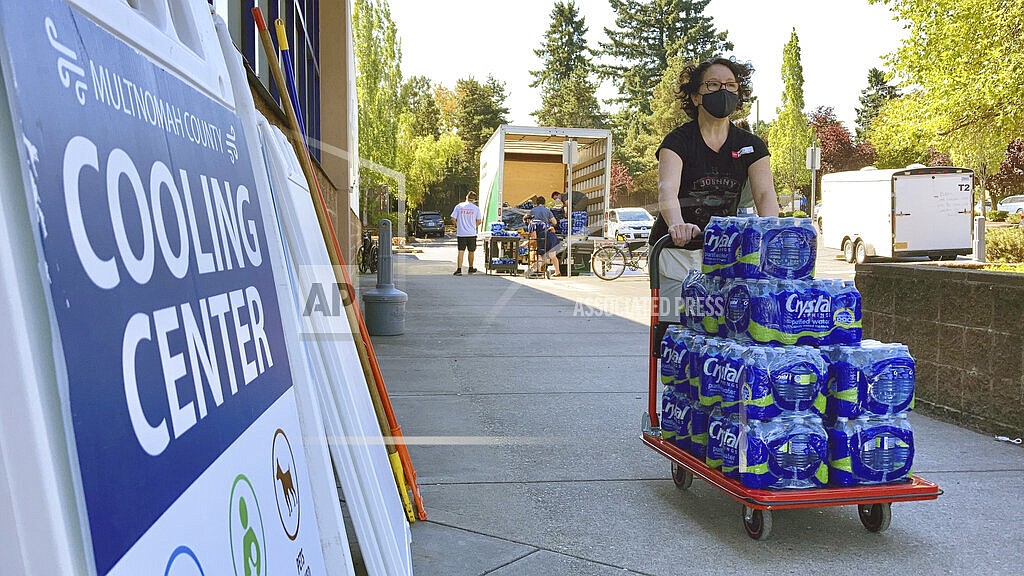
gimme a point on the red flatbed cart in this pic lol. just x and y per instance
(873, 502)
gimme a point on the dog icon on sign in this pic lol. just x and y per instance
(286, 487)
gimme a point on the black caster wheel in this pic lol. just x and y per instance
(757, 523)
(681, 477)
(875, 517)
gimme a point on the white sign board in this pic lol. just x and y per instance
(173, 369)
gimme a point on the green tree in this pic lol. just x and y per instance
(568, 95)
(378, 78)
(417, 98)
(872, 98)
(565, 49)
(965, 57)
(571, 103)
(480, 111)
(790, 134)
(899, 133)
(425, 160)
(648, 34)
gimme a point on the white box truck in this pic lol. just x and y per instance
(912, 211)
(520, 162)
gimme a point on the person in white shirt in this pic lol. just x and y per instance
(467, 217)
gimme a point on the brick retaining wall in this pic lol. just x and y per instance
(965, 329)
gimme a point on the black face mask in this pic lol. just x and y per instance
(720, 104)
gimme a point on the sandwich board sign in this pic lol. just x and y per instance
(175, 383)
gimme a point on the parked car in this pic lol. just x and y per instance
(1013, 204)
(628, 224)
(429, 222)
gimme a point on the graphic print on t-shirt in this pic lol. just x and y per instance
(714, 194)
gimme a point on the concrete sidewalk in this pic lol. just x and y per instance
(522, 400)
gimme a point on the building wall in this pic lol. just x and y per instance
(338, 167)
(965, 329)
(338, 119)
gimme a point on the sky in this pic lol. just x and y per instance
(840, 40)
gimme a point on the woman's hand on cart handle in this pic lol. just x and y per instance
(683, 233)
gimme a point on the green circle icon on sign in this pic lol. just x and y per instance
(248, 540)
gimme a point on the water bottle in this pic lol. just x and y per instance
(675, 418)
(729, 370)
(710, 363)
(736, 316)
(870, 450)
(669, 425)
(722, 243)
(786, 452)
(699, 420)
(789, 249)
(703, 304)
(696, 345)
(777, 381)
(723, 443)
(671, 355)
(846, 311)
(748, 265)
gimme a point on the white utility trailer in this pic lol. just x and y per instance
(912, 211)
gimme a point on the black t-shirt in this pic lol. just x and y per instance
(711, 181)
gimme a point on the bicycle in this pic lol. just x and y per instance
(609, 262)
(368, 255)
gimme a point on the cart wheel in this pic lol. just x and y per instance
(757, 523)
(681, 477)
(875, 517)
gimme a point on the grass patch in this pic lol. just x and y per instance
(1015, 268)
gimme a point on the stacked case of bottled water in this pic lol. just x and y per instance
(579, 223)
(766, 378)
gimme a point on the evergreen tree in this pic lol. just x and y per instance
(565, 46)
(790, 134)
(872, 98)
(648, 34)
(568, 95)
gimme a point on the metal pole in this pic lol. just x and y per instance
(384, 264)
(810, 209)
(979, 238)
(569, 148)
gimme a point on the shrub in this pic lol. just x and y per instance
(785, 214)
(998, 215)
(799, 214)
(1013, 218)
(1005, 245)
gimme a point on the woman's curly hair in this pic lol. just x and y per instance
(692, 76)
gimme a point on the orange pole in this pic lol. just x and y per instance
(364, 347)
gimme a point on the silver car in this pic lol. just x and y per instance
(1013, 204)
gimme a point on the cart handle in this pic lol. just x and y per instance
(665, 242)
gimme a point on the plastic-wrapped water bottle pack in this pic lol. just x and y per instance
(766, 378)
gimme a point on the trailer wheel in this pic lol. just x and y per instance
(875, 517)
(860, 253)
(757, 523)
(682, 477)
(848, 254)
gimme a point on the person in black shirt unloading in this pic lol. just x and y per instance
(703, 164)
